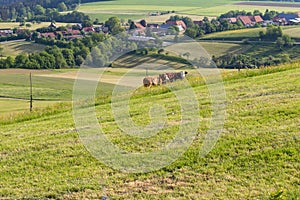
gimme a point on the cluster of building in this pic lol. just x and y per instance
(159, 29)
(280, 19)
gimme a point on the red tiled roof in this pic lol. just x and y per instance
(245, 20)
(232, 20)
(257, 19)
(177, 23)
(88, 29)
(75, 32)
(51, 35)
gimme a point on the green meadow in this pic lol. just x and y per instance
(256, 157)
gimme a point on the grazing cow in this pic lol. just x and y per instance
(149, 81)
(164, 78)
(173, 76)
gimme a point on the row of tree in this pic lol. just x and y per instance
(269, 14)
(42, 11)
(243, 61)
(221, 23)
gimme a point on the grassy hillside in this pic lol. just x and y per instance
(257, 155)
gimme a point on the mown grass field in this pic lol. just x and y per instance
(14, 48)
(257, 156)
(133, 9)
(49, 87)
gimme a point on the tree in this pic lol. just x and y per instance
(280, 43)
(62, 7)
(114, 25)
(79, 60)
(288, 42)
(1, 50)
(21, 61)
(69, 57)
(39, 10)
(191, 32)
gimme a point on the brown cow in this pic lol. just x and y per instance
(149, 81)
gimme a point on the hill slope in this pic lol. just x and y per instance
(256, 157)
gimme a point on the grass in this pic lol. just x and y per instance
(219, 49)
(48, 87)
(14, 48)
(257, 155)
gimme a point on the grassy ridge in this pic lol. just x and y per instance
(256, 157)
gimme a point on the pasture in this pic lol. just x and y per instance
(133, 9)
(257, 155)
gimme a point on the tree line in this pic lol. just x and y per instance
(41, 10)
(220, 23)
(96, 50)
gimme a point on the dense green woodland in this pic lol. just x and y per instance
(36, 9)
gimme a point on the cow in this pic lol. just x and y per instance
(173, 76)
(164, 78)
(150, 81)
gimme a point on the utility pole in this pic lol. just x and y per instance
(30, 92)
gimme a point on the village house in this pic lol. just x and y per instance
(6, 32)
(178, 23)
(286, 18)
(50, 35)
(248, 21)
(87, 30)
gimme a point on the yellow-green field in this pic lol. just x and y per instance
(293, 31)
(133, 9)
(14, 48)
(4, 25)
(256, 157)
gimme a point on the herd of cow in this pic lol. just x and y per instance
(163, 78)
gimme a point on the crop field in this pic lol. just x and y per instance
(133, 9)
(256, 157)
(14, 48)
(6, 25)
